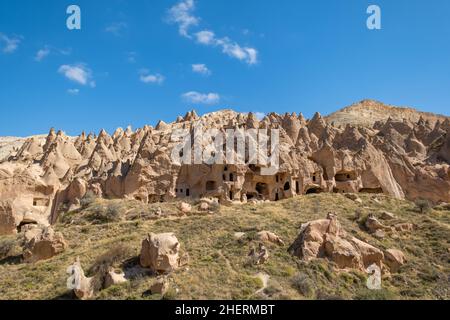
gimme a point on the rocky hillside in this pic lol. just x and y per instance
(367, 112)
(9, 145)
(409, 242)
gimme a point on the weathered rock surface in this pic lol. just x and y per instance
(325, 238)
(42, 244)
(81, 285)
(402, 157)
(268, 236)
(160, 252)
(394, 259)
(113, 278)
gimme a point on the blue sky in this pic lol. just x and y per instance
(135, 62)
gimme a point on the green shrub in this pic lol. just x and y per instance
(110, 213)
(303, 284)
(6, 247)
(422, 205)
(88, 199)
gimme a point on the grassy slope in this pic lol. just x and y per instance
(217, 267)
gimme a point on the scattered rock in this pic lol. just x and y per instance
(42, 244)
(394, 259)
(373, 224)
(404, 227)
(112, 278)
(160, 252)
(259, 256)
(185, 207)
(160, 286)
(239, 235)
(385, 215)
(268, 236)
(204, 206)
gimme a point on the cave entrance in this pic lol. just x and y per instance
(287, 186)
(371, 190)
(210, 185)
(314, 190)
(345, 176)
(262, 189)
(25, 223)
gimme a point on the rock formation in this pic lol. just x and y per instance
(160, 252)
(404, 158)
(325, 238)
(42, 244)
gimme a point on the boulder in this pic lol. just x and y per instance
(82, 286)
(185, 207)
(42, 244)
(160, 252)
(373, 224)
(268, 236)
(112, 278)
(394, 259)
(404, 227)
(325, 238)
(204, 206)
(160, 286)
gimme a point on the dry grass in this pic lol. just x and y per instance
(217, 267)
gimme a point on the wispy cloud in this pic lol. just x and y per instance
(9, 44)
(146, 77)
(201, 68)
(42, 54)
(203, 98)
(229, 47)
(78, 73)
(73, 92)
(116, 28)
(47, 50)
(182, 14)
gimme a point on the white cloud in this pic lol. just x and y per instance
(116, 28)
(229, 47)
(205, 37)
(201, 68)
(42, 54)
(78, 73)
(181, 14)
(9, 44)
(73, 91)
(47, 50)
(146, 77)
(203, 98)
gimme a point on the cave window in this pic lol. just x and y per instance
(225, 169)
(297, 187)
(210, 185)
(277, 196)
(176, 190)
(224, 177)
(231, 177)
(231, 195)
(287, 186)
(277, 179)
(314, 178)
(181, 153)
(187, 193)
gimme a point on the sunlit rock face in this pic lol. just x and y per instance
(398, 157)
